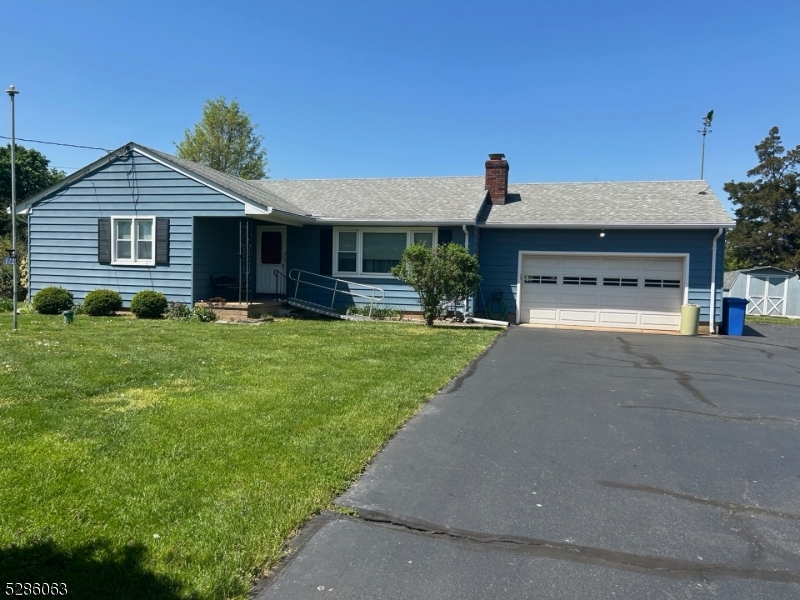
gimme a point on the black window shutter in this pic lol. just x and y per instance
(104, 240)
(445, 236)
(326, 251)
(162, 241)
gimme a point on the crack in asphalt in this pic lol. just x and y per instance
(742, 341)
(735, 515)
(724, 417)
(684, 379)
(729, 506)
(637, 365)
(768, 354)
(628, 561)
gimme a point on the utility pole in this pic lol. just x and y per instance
(706, 129)
(11, 93)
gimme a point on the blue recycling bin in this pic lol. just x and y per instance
(733, 311)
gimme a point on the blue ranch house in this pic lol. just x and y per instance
(613, 254)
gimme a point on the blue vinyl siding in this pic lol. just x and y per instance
(63, 232)
(499, 255)
(303, 252)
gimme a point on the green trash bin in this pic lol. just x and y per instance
(690, 318)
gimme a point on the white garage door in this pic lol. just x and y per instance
(602, 291)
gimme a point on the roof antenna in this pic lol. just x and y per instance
(706, 129)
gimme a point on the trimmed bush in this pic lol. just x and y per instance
(101, 303)
(52, 301)
(149, 304)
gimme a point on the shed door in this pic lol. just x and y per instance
(602, 291)
(767, 295)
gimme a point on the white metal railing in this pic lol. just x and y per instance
(376, 294)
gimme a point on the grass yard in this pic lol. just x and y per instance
(772, 320)
(163, 459)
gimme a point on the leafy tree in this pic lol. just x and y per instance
(33, 174)
(767, 228)
(225, 140)
(440, 275)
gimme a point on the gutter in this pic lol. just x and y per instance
(584, 225)
(712, 307)
(393, 222)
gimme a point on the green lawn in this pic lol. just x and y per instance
(772, 320)
(162, 459)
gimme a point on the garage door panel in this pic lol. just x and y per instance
(623, 265)
(670, 269)
(574, 301)
(543, 315)
(629, 302)
(578, 316)
(540, 298)
(578, 300)
(661, 306)
(613, 318)
(661, 320)
(580, 266)
(541, 263)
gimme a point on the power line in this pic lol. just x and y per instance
(58, 144)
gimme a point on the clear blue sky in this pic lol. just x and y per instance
(569, 91)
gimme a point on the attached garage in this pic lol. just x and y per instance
(624, 254)
(602, 290)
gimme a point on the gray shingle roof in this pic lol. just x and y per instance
(412, 199)
(459, 200)
(636, 203)
(237, 185)
(728, 278)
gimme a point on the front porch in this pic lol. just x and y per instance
(238, 311)
(257, 256)
(240, 260)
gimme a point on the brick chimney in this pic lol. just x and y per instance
(497, 178)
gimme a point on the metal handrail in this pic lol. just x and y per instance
(295, 275)
(277, 273)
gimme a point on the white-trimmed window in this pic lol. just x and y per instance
(133, 241)
(374, 251)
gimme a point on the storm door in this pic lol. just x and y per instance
(271, 270)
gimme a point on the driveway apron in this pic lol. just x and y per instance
(580, 464)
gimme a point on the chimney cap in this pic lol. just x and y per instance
(497, 156)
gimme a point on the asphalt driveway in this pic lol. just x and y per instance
(577, 464)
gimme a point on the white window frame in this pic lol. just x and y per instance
(359, 231)
(133, 261)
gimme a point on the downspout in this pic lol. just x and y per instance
(712, 307)
(28, 224)
(466, 245)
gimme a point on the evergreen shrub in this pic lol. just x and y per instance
(149, 304)
(101, 303)
(52, 301)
